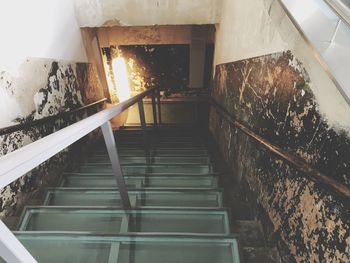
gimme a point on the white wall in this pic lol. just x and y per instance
(95, 13)
(250, 28)
(33, 34)
(245, 31)
(39, 29)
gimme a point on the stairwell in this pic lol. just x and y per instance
(178, 213)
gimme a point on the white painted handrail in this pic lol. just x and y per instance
(17, 163)
(328, 35)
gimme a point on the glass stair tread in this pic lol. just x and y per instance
(173, 146)
(154, 160)
(153, 198)
(157, 150)
(156, 169)
(167, 174)
(141, 153)
(112, 220)
(72, 248)
(140, 182)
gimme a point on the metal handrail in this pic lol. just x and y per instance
(313, 174)
(334, 70)
(339, 8)
(27, 125)
(15, 164)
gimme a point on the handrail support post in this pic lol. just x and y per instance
(116, 167)
(154, 110)
(144, 128)
(11, 250)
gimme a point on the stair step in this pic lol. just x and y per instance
(112, 220)
(151, 141)
(141, 181)
(141, 147)
(141, 150)
(155, 160)
(142, 154)
(260, 255)
(168, 174)
(159, 140)
(150, 169)
(152, 153)
(72, 248)
(153, 198)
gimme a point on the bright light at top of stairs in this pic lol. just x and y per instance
(121, 78)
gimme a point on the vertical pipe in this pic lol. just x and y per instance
(144, 128)
(117, 170)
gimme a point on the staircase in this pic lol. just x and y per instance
(178, 212)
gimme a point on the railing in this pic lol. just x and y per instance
(27, 125)
(325, 26)
(342, 8)
(313, 174)
(17, 163)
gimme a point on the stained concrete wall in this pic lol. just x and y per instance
(96, 13)
(65, 86)
(268, 78)
(246, 32)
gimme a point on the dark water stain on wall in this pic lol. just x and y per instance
(166, 66)
(69, 86)
(271, 95)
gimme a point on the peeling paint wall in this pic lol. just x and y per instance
(41, 88)
(96, 13)
(268, 78)
(271, 95)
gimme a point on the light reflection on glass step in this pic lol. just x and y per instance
(153, 198)
(109, 220)
(72, 248)
(141, 181)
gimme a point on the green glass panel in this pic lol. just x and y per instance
(155, 160)
(142, 169)
(135, 182)
(157, 252)
(73, 220)
(117, 221)
(143, 198)
(99, 181)
(100, 249)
